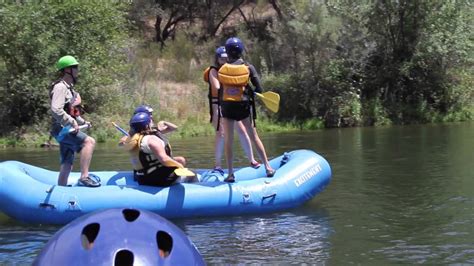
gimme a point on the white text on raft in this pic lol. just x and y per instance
(308, 175)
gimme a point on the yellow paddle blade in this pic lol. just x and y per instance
(184, 172)
(271, 100)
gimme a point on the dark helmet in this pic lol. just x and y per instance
(234, 47)
(140, 121)
(144, 109)
(221, 52)
(119, 237)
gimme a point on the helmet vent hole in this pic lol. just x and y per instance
(89, 234)
(130, 215)
(124, 257)
(165, 243)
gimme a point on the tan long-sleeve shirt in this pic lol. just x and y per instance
(61, 94)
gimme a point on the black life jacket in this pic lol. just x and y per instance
(212, 95)
(144, 164)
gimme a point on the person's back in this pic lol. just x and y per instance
(237, 103)
(211, 77)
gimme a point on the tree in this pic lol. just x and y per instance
(35, 35)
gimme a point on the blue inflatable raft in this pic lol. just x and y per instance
(30, 194)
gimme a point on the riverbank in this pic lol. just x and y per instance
(103, 131)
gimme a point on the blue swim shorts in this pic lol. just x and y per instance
(71, 144)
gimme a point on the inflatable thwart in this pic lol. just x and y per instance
(30, 194)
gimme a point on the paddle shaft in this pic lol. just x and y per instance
(68, 129)
(120, 129)
(80, 128)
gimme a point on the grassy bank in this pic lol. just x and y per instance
(37, 135)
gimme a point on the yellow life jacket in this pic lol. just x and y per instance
(234, 79)
(206, 74)
(132, 145)
(213, 93)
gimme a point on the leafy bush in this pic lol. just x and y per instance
(35, 34)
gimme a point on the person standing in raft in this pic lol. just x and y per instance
(151, 154)
(237, 102)
(210, 76)
(64, 100)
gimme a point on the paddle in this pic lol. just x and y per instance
(177, 171)
(271, 100)
(184, 172)
(123, 131)
(68, 129)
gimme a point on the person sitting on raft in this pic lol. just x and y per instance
(163, 127)
(152, 159)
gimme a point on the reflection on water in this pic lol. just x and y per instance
(283, 238)
(19, 243)
(398, 195)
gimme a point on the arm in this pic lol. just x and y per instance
(123, 140)
(213, 79)
(166, 127)
(158, 149)
(255, 79)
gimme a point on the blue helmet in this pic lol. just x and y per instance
(119, 237)
(221, 52)
(144, 108)
(140, 121)
(234, 47)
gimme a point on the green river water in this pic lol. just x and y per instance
(399, 195)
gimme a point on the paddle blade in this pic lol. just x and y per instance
(68, 129)
(62, 134)
(184, 172)
(271, 100)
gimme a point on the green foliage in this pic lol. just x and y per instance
(312, 124)
(180, 53)
(406, 65)
(36, 34)
(320, 85)
(374, 113)
(334, 63)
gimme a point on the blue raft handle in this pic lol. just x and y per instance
(269, 196)
(45, 205)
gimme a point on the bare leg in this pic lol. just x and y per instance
(219, 148)
(64, 172)
(229, 139)
(86, 156)
(245, 142)
(219, 139)
(252, 132)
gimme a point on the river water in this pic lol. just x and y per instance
(399, 195)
